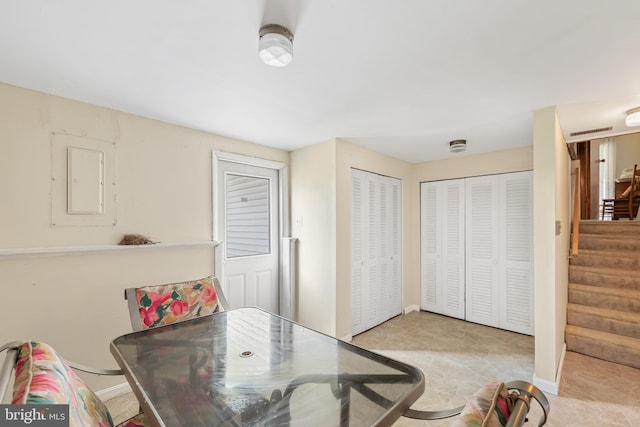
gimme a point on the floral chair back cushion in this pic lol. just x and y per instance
(173, 302)
(43, 377)
(489, 407)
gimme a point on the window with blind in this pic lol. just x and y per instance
(247, 216)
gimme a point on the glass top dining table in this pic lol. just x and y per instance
(248, 367)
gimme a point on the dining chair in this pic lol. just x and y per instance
(498, 404)
(625, 205)
(42, 376)
(494, 405)
(159, 305)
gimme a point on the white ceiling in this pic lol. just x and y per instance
(402, 77)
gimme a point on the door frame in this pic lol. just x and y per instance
(284, 297)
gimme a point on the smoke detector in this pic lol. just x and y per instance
(458, 145)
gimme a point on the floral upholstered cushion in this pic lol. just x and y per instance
(166, 304)
(43, 377)
(489, 407)
(139, 420)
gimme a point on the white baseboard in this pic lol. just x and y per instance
(115, 391)
(549, 386)
(406, 310)
(546, 385)
(411, 308)
(347, 338)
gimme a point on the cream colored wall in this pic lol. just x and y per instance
(551, 203)
(156, 162)
(353, 156)
(75, 302)
(313, 218)
(627, 151)
(514, 160)
(562, 241)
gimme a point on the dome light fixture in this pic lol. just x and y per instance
(457, 145)
(633, 117)
(276, 45)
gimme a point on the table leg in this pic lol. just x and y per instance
(344, 404)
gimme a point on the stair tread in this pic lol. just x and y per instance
(605, 312)
(603, 290)
(620, 340)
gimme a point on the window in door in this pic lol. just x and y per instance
(247, 215)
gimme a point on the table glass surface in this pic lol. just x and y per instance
(249, 367)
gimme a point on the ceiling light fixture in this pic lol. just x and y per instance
(458, 145)
(275, 45)
(633, 117)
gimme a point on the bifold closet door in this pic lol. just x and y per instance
(376, 248)
(389, 199)
(516, 254)
(476, 249)
(482, 249)
(358, 230)
(442, 239)
(499, 247)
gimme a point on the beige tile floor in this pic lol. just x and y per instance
(459, 357)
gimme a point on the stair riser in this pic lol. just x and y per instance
(622, 263)
(603, 350)
(593, 299)
(593, 241)
(614, 227)
(598, 323)
(601, 279)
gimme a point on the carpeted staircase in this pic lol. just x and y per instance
(603, 315)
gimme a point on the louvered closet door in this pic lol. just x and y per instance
(453, 248)
(371, 289)
(375, 250)
(393, 223)
(358, 276)
(516, 260)
(430, 247)
(482, 250)
(442, 247)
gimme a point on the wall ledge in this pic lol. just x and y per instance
(81, 250)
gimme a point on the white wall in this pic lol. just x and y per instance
(551, 204)
(313, 217)
(75, 302)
